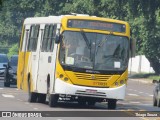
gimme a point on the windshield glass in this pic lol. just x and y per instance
(3, 59)
(94, 51)
(14, 61)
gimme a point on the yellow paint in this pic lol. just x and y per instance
(87, 80)
(24, 69)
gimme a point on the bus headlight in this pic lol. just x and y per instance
(65, 79)
(61, 76)
(122, 82)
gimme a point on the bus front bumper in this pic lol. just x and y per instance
(62, 87)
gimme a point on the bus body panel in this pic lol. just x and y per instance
(62, 87)
(34, 65)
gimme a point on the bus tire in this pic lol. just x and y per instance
(6, 84)
(158, 102)
(112, 103)
(32, 97)
(154, 101)
(53, 100)
(41, 98)
(81, 101)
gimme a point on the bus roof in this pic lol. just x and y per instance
(57, 19)
(45, 20)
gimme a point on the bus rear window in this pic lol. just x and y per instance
(97, 25)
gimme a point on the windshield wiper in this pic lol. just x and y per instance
(101, 43)
(86, 39)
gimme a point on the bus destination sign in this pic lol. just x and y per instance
(96, 25)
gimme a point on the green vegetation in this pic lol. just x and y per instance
(143, 16)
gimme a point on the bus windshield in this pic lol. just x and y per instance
(94, 51)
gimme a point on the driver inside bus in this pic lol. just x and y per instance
(75, 47)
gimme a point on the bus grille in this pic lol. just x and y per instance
(97, 77)
(96, 94)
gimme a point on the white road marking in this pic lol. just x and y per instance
(9, 96)
(130, 89)
(134, 102)
(141, 92)
(19, 100)
(1, 88)
(133, 95)
(151, 95)
(148, 104)
(35, 108)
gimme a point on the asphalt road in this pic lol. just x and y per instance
(138, 98)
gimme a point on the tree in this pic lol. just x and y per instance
(148, 36)
(143, 16)
(13, 50)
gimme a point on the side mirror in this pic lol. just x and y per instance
(58, 38)
(132, 47)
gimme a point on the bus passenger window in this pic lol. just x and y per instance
(48, 39)
(33, 38)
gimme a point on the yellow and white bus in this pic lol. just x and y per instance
(79, 57)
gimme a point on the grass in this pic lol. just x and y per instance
(149, 76)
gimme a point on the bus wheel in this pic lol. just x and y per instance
(158, 102)
(81, 101)
(53, 99)
(32, 97)
(112, 104)
(41, 98)
(154, 101)
(6, 84)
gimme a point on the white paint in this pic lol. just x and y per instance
(19, 100)
(62, 87)
(130, 89)
(141, 92)
(151, 95)
(1, 88)
(134, 102)
(140, 64)
(9, 96)
(35, 108)
(133, 95)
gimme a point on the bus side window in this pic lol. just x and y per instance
(48, 39)
(25, 39)
(54, 36)
(33, 38)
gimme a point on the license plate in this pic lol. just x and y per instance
(91, 91)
